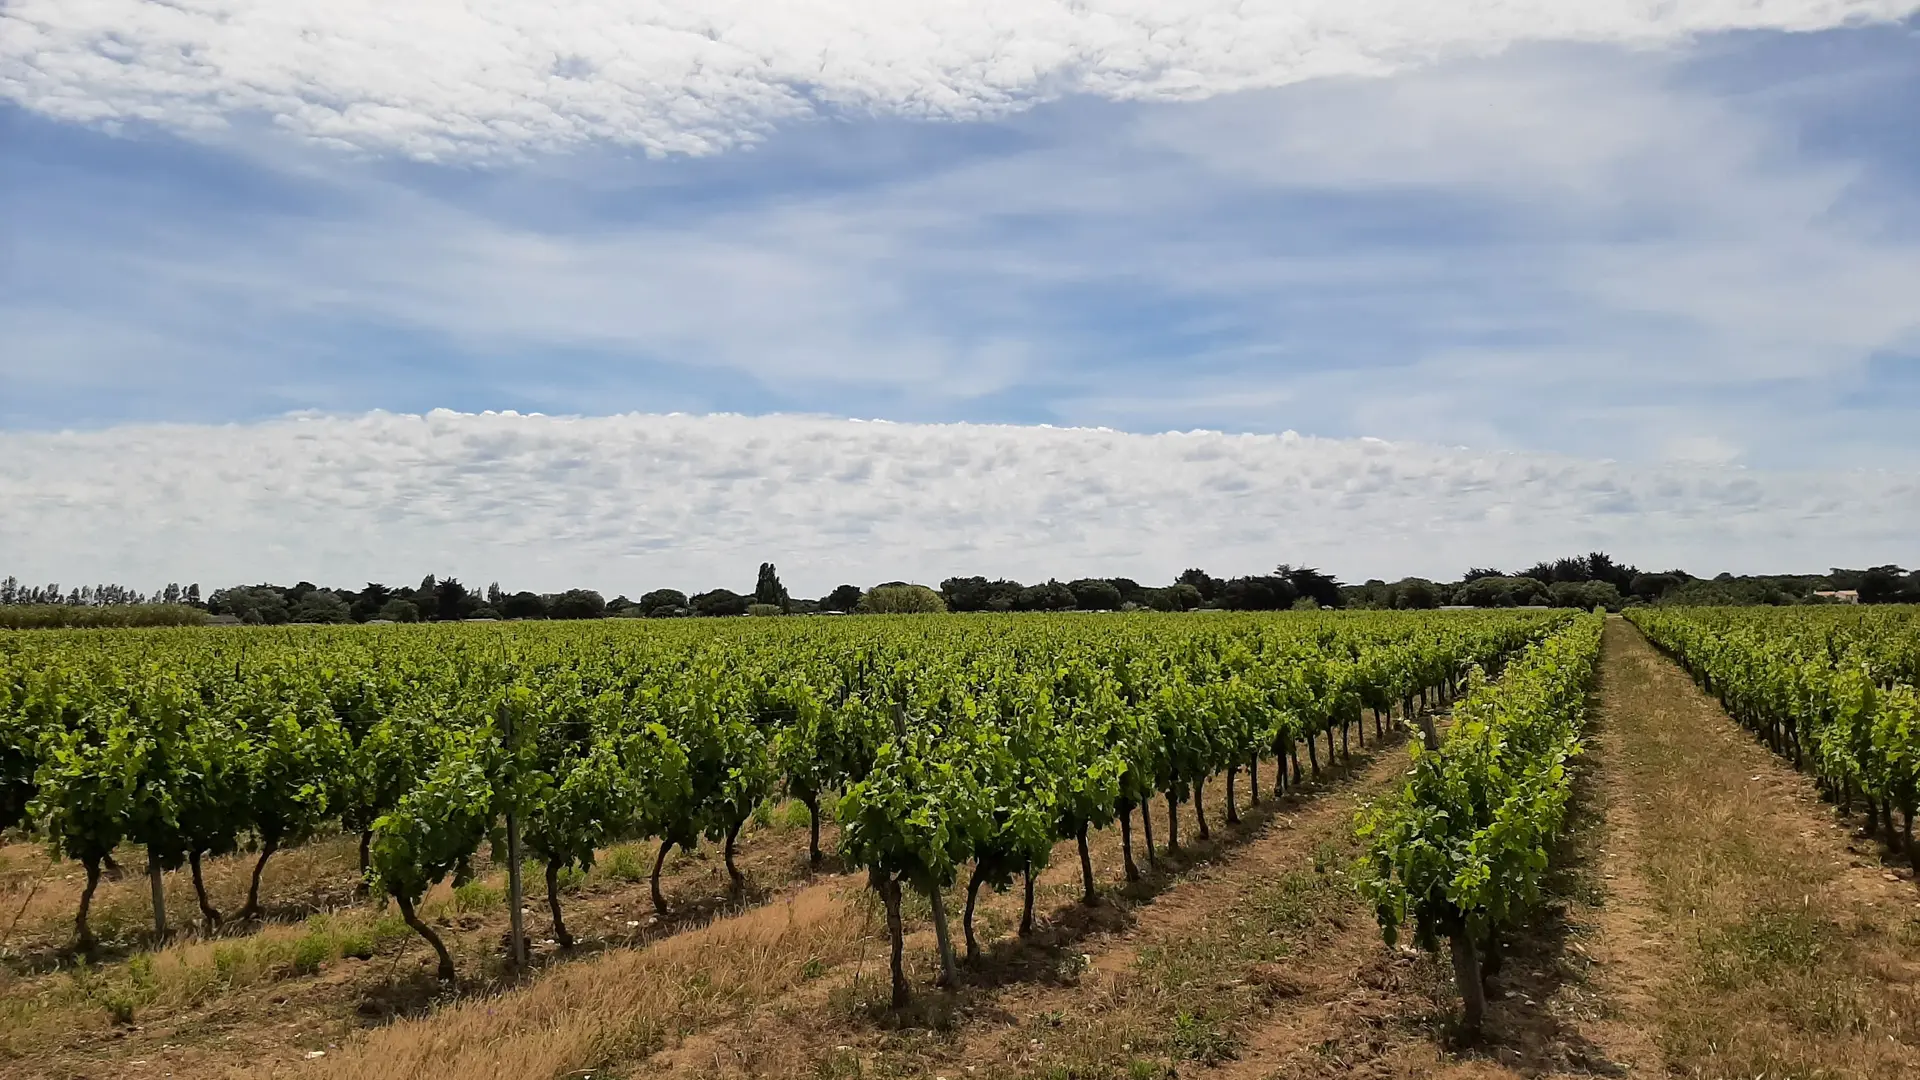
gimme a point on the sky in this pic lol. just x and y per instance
(631, 294)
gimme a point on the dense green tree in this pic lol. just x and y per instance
(1095, 594)
(1888, 585)
(368, 602)
(320, 606)
(1262, 593)
(842, 598)
(1502, 592)
(901, 599)
(664, 604)
(399, 610)
(1415, 594)
(768, 590)
(452, 601)
(719, 602)
(523, 605)
(1309, 582)
(966, 593)
(254, 605)
(1050, 596)
(577, 604)
(1208, 586)
(1585, 595)
(1177, 597)
(1654, 586)
(426, 598)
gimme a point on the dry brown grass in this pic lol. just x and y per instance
(1782, 948)
(1181, 971)
(259, 997)
(621, 1005)
(43, 893)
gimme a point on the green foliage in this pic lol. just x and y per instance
(916, 816)
(624, 864)
(436, 827)
(1833, 687)
(1018, 731)
(901, 600)
(1586, 595)
(1198, 1038)
(58, 616)
(1462, 849)
(254, 605)
(1502, 592)
(475, 896)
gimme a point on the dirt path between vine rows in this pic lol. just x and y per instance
(1708, 916)
(799, 987)
(1747, 930)
(1263, 919)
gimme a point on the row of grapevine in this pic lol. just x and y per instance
(952, 742)
(1834, 689)
(1461, 851)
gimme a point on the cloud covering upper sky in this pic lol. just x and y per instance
(482, 78)
(1673, 248)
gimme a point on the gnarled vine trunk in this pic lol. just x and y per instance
(966, 917)
(1088, 895)
(1173, 822)
(82, 933)
(659, 900)
(208, 913)
(738, 881)
(445, 971)
(812, 803)
(937, 899)
(553, 903)
(156, 881)
(252, 908)
(1466, 975)
(1026, 906)
(890, 896)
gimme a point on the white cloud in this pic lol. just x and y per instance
(482, 78)
(626, 503)
(1587, 250)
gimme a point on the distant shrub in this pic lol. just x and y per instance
(764, 609)
(901, 600)
(58, 616)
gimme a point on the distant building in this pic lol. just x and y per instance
(1839, 596)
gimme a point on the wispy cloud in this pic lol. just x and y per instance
(631, 502)
(1582, 249)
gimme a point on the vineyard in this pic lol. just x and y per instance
(932, 762)
(950, 743)
(1834, 690)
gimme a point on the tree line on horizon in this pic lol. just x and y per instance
(1589, 581)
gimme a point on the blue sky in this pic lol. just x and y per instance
(1687, 239)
